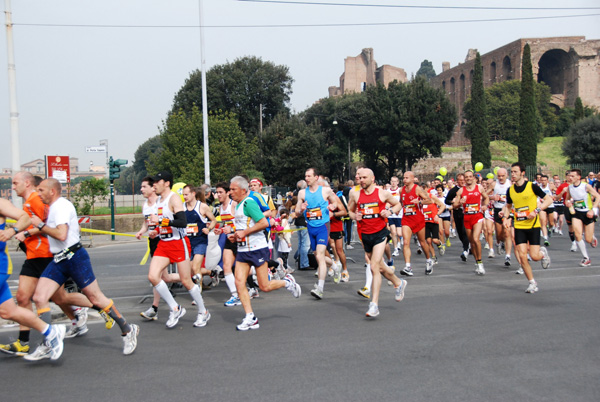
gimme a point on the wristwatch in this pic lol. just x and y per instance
(41, 225)
(15, 229)
(537, 210)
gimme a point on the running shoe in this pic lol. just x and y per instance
(507, 260)
(435, 261)
(480, 270)
(109, 322)
(175, 315)
(442, 249)
(545, 258)
(214, 278)
(280, 269)
(349, 246)
(364, 292)
(407, 271)
(396, 253)
(491, 253)
(560, 233)
(428, 267)
(594, 242)
(331, 272)
(419, 250)
(52, 347)
(337, 272)
(532, 288)
(399, 291)
(253, 293)
(197, 279)
(448, 244)
(130, 340)
(317, 293)
(233, 301)
(76, 330)
(520, 271)
(81, 313)
(202, 319)
(292, 286)
(16, 348)
(373, 310)
(546, 242)
(463, 256)
(487, 246)
(345, 276)
(573, 247)
(585, 262)
(248, 323)
(150, 314)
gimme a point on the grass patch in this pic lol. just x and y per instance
(455, 149)
(118, 210)
(550, 154)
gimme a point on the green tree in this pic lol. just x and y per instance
(89, 191)
(182, 147)
(476, 114)
(426, 70)
(582, 144)
(240, 88)
(579, 114)
(528, 124)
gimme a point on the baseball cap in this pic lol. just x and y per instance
(164, 175)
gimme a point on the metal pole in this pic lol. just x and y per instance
(112, 209)
(12, 89)
(204, 99)
(105, 143)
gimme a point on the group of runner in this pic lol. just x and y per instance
(521, 213)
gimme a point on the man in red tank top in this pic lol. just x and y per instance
(413, 220)
(473, 199)
(368, 207)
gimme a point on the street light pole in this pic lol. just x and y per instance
(204, 99)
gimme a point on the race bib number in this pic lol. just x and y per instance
(580, 204)
(503, 198)
(370, 210)
(471, 209)
(428, 215)
(242, 242)
(191, 230)
(409, 209)
(522, 213)
(314, 214)
(166, 232)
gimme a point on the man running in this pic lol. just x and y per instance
(395, 220)
(457, 214)
(523, 197)
(498, 197)
(368, 207)
(70, 260)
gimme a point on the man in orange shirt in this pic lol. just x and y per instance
(38, 257)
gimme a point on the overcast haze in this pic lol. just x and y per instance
(79, 85)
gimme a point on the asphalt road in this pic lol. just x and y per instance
(455, 337)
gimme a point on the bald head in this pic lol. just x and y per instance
(366, 177)
(502, 175)
(408, 178)
(23, 184)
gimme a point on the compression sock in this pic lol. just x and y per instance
(582, 248)
(572, 236)
(197, 296)
(45, 315)
(230, 281)
(113, 313)
(163, 291)
(24, 337)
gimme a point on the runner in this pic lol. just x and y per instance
(368, 207)
(523, 197)
(559, 206)
(547, 216)
(395, 220)
(70, 260)
(315, 202)
(336, 237)
(173, 247)
(53, 334)
(473, 200)
(457, 214)
(252, 250)
(498, 197)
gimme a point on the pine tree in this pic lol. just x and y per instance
(579, 114)
(528, 125)
(477, 127)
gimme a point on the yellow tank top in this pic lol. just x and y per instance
(524, 203)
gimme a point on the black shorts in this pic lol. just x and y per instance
(497, 217)
(549, 210)
(432, 230)
(528, 235)
(370, 240)
(229, 245)
(336, 235)
(560, 209)
(153, 245)
(582, 216)
(35, 266)
(445, 218)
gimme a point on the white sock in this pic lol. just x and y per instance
(163, 291)
(250, 315)
(582, 248)
(369, 277)
(321, 284)
(230, 281)
(197, 296)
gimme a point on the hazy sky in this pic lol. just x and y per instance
(93, 70)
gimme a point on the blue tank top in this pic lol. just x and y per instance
(195, 224)
(3, 256)
(316, 213)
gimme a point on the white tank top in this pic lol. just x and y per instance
(501, 189)
(396, 194)
(167, 233)
(580, 197)
(148, 210)
(253, 241)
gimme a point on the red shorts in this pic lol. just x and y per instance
(471, 219)
(174, 250)
(414, 224)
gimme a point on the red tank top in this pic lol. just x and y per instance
(473, 203)
(430, 211)
(370, 206)
(335, 224)
(411, 207)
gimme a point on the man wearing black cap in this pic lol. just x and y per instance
(173, 247)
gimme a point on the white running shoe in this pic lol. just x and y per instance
(428, 267)
(396, 253)
(545, 258)
(253, 293)
(507, 260)
(52, 347)
(491, 253)
(573, 247)
(480, 270)
(532, 288)
(364, 292)
(520, 271)
(407, 271)
(202, 319)
(174, 316)
(337, 272)
(130, 340)
(373, 310)
(76, 330)
(349, 246)
(292, 286)
(399, 293)
(150, 314)
(248, 323)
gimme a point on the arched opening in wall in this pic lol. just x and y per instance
(462, 89)
(493, 72)
(553, 66)
(363, 86)
(470, 81)
(506, 69)
(453, 90)
(444, 86)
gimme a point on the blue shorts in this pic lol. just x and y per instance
(79, 268)
(4, 289)
(318, 235)
(395, 222)
(256, 258)
(199, 249)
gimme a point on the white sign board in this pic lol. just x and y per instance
(101, 148)
(60, 175)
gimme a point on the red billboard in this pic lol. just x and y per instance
(58, 168)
